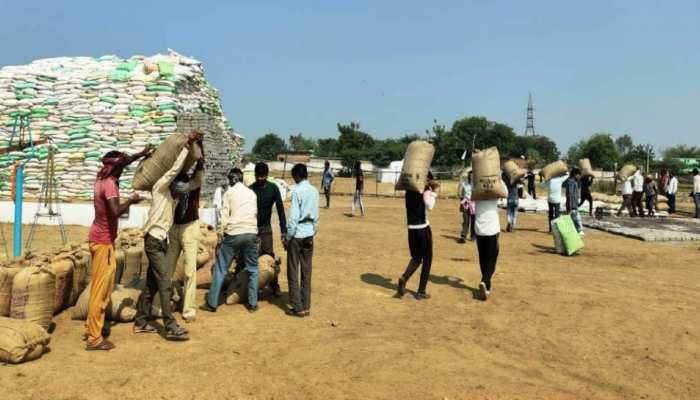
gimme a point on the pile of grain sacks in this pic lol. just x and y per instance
(89, 106)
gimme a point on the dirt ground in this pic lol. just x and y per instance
(618, 321)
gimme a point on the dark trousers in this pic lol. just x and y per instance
(531, 191)
(467, 225)
(265, 246)
(327, 193)
(626, 203)
(488, 255)
(420, 243)
(696, 200)
(650, 202)
(158, 280)
(554, 212)
(637, 209)
(299, 256)
(586, 196)
(671, 203)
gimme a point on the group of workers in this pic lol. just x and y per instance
(171, 231)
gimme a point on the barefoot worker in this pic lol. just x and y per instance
(268, 194)
(239, 222)
(102, 234)
(420, 237)
(299, 243)
(159, 275)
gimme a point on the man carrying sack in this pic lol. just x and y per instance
(103, 232)
(159, 275)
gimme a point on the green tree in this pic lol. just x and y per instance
(353, 144)
(449, 145)
(624, 144)
(300, 143)
(681, 151)
(539, 150)
(327, 147)
(637, 155)
(387, 150)
(600, 149)
(268, 146)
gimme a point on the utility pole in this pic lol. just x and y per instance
(648, 153)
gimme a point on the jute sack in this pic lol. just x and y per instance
(237, 291)
(203, 255)
(208, 236)
(486, 175)
(63, 271)
(513, 171)
(416, 164)
(584, 165)
(121, 307)
(33, 295)
(204, 274)
(21, 341)
(627, 171)
(133, 257)
(155, 166)
(7, 274)
(554, 170)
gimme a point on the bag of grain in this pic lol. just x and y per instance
(584, 165)
(513, 171)
(21, 341)
(570, 237)
(416, 165)
(33, 295)
(204, 274)
(7, 274)
(122, 304)
(486, 175)
(155, 166)
(63, 271)
(237, 291)
(627, 171)
(554, 170)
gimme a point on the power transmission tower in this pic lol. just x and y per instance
(530, 126)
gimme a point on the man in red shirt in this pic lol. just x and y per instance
(103, 232)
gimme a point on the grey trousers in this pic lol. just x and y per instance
(299, 256)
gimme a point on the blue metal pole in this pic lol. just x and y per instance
(19, 188)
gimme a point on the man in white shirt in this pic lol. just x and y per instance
(671, 189)
(637, 193)
(696, 191)
(487, 228)
(626, 197)
(239, 221)
(554, 198)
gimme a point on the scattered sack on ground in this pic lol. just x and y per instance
(155, 166)
(21, 341)
(237, 291)
(33, 295)
(204, 274)
(203, 255)
(7, 274)
(486, 175)
(416, 165)
(627, 171)
(121, 307)
(554, 170)
(514, 172)
(570, 237)
(63, 271)
(584, 165)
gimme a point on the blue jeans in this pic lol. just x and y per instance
(512, 214)
(246, 246)
(577, 219)
(696, 198)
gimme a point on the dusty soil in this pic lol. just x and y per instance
(618, 321)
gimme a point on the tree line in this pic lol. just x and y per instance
(352, 143)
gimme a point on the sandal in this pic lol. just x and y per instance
(144, 329)
(104, 345)
(177, 334)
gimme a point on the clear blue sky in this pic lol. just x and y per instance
(302, 66)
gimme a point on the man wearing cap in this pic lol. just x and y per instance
(103, 232)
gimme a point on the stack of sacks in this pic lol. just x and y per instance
(90, 106)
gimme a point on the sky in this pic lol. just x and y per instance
(395, 66)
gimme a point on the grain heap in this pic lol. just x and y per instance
(89, 106)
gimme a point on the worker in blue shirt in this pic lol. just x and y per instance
(302, 226)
